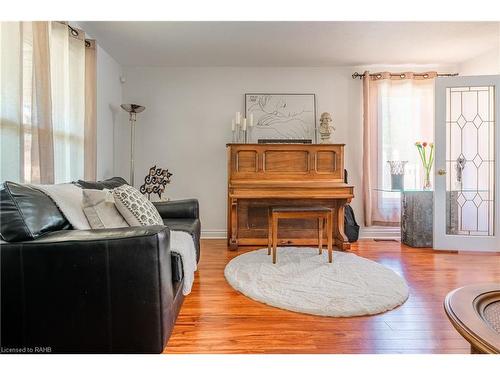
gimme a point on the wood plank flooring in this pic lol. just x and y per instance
(217, 319)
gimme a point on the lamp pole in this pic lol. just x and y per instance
(132, 146)
(133, 110)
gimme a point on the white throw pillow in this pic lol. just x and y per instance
(68, 198)
(135, 208)
(100, 210)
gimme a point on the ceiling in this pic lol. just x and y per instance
(293, 43)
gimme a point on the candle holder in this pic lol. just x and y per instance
(240, 128)
(243, 135)
(248, 134)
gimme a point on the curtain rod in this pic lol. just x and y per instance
(378, 75)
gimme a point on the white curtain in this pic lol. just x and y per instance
(397, 113)
(44, 99)
(67, 56)
(11, 112)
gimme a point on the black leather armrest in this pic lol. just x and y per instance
(179, 209)
(88, 291)
(99, 235)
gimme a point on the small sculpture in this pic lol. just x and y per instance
(155, 182)
(325, 129)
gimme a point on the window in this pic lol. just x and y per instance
(44, 110)
(406, 116)
(397, 113)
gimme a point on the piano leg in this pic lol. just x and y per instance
(340, 238)
(233, 217)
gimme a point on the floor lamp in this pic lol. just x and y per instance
(132, 109)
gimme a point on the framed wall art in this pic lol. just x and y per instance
(281, 117)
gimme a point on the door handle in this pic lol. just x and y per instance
(441, 172)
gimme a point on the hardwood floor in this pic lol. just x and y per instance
(217, 319)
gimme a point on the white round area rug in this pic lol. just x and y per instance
(304, 281)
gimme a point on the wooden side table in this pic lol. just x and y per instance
(322, 214)
(474, 311)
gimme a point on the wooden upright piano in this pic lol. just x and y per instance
(264, 175)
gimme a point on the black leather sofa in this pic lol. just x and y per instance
(92, 291)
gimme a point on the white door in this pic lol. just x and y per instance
(467, 164)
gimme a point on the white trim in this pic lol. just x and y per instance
(213, 233)
(364, 233)
(380, 232)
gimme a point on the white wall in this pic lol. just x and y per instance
(487, 63)
(187, 123)
(109, 98)
(484, 64)
(187, 120)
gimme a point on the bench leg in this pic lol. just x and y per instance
(269, 232)
(320, 235)
(330, 237)
(275, 238)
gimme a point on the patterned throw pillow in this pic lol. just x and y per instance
(135, 208)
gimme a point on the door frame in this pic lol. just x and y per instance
(443, 241)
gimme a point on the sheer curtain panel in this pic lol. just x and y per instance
(47, 78)
(398, 110)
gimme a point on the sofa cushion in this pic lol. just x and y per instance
(27, 213)
(135, 208)
(100, 209)
(110, 183)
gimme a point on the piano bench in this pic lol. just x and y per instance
(322, 214)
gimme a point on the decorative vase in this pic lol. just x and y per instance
(427, 180)
(427, 160)
(397, 168)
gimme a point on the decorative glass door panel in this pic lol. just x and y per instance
(470, 160)
(467, 138)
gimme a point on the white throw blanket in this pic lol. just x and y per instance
(182, 243)
(68, 198)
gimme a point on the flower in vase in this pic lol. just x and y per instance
(427, 160)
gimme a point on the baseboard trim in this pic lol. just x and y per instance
(364, 233)
(214, 233)
(380, 232)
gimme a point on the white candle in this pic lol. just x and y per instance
(238, 118)
(232, 125)
(244, 124)
(251, 119)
